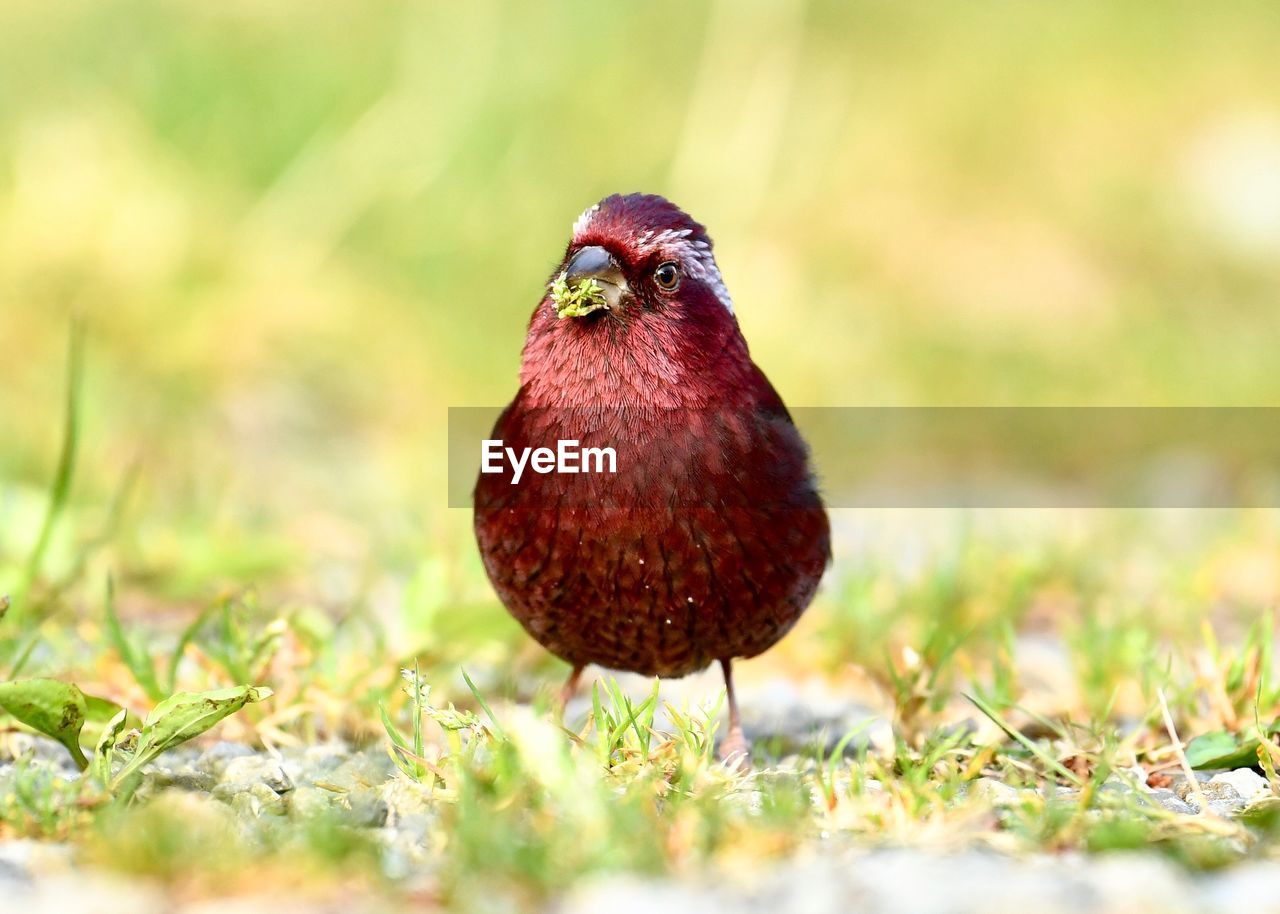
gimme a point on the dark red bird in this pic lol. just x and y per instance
(709, 539)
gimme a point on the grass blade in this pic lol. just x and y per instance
(65, 474)
(484, 706)
(24, 655)
(188, 636)
(139, 663)
(1027, 744)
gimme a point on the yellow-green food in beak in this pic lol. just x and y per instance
(579, 299)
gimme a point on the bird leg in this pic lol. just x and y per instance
(735, 751)
(570, 686)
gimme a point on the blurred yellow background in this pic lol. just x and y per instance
(299, 232)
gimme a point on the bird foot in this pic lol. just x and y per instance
(735, 751)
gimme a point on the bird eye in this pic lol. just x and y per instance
(667, 276)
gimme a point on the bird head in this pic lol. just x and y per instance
(638, 253)
(636, 307)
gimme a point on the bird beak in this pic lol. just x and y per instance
(596, 263)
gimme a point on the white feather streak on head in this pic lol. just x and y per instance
(697, 260)
(581, 223)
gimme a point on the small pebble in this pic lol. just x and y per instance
(996, 792)
(1172, 802)
(1246, 783)
(243, 772)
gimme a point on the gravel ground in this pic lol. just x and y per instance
(361, 787)
(889, 881)
(909, 881)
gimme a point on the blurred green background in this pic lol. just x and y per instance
(299, 232)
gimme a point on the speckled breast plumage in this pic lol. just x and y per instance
(708, 543)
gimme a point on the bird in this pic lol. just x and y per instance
(708, 539)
